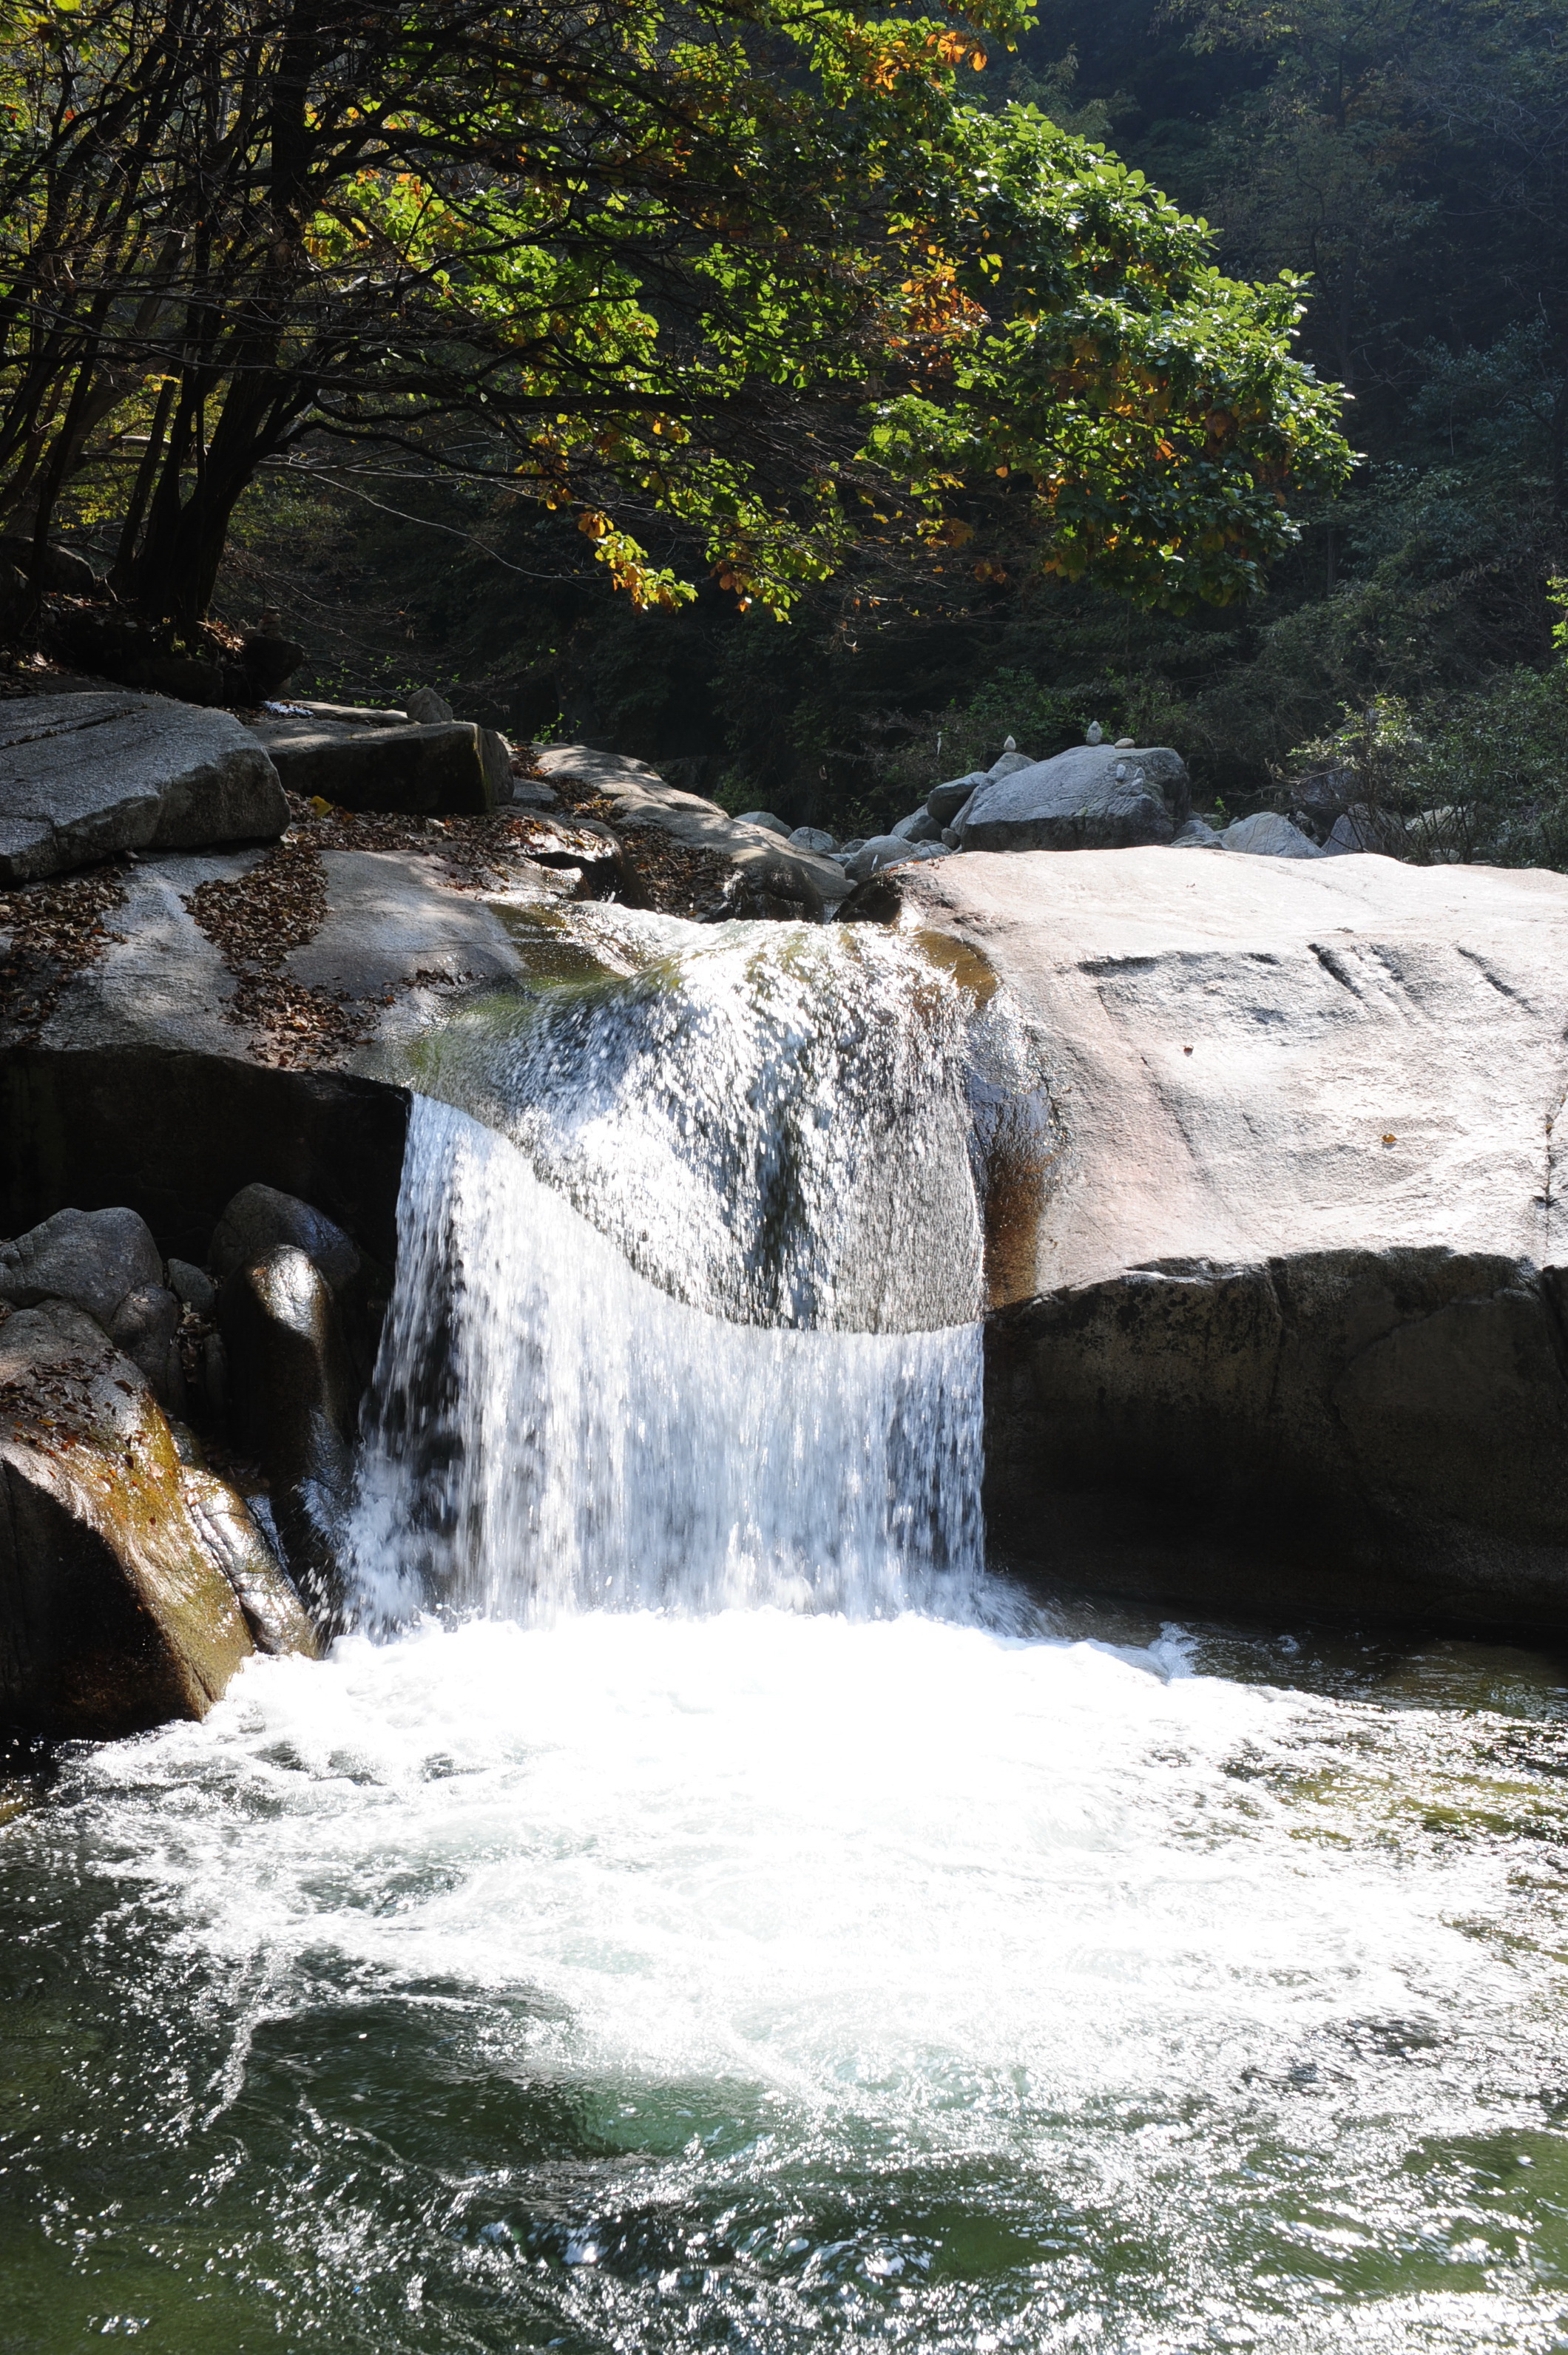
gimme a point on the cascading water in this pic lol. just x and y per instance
(627, 1361)
(709, 1972)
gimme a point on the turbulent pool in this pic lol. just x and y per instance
(703, 1907)
(769, 1981)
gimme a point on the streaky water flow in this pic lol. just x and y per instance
(688, 1318)
(719, 1916)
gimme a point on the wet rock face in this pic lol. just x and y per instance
(117, 1610)
(294, 1407)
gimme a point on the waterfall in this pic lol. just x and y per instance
(688, 1282)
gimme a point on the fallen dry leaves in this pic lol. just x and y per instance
(55, 929)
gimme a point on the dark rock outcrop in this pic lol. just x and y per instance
(448, 767)
(84, 776)
(294, 1406)
(176, 1135)
(1341, 1432)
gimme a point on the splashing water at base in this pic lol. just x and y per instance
(770, 1981)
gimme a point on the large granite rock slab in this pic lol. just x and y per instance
(84, 776)
(1284, 1329)
(117, 1606)
(1093, 798)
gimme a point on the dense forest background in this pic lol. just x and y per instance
(1413, 155)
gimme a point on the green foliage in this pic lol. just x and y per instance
(743, 278)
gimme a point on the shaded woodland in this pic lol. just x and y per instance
(1412, 156)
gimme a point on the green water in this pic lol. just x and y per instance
(770, 1984)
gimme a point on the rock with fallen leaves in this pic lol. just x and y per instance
(756, 872)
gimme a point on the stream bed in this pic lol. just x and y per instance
(770, 1981)
(704, 1906)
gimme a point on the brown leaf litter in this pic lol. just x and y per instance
(55, 930)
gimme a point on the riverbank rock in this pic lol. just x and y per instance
(769, 874)
(1266, 834)
(117, 1610)
(1281, 1328)
(1093, 797)
(439, 768)
(84, 776)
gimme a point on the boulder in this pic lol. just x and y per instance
(267, 659)
(764, 818)
(293, 1405)
(1444, 834)
(812, 837)
(919, 826)
(1266, 834)
(1197, 834)
(426, 708)
(447, 768)
(1281, 1321)
(116, 1611)
(193, 1287)
(260, 1217)
(881, 850)
(1093, 798)
(144, 1328)
(84, 776)
(943, 802)
(90, 1258)
(1364, 828)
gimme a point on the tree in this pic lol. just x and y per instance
(744, 272)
